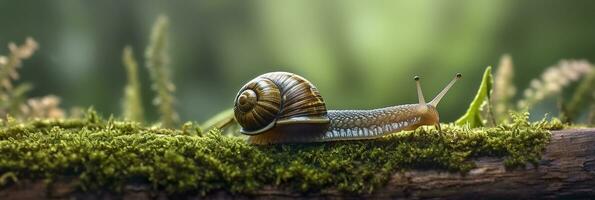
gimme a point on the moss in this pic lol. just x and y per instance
(110, 154)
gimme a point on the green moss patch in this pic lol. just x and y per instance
(111, 154)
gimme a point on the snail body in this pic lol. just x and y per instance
(282, 107)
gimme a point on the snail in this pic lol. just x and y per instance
(282, 107)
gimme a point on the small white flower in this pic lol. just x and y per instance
(3, 60)
(528, 93)
(553, 88)
(536, 84)
(522, 104)
(554, 79)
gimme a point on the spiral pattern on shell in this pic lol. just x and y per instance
(276, 96)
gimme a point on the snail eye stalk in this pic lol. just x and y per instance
(420, 94)
(436, 99)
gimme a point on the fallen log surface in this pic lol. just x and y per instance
(566, 170)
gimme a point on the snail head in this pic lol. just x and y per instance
(428, 111)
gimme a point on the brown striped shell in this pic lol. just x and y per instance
(275, 99)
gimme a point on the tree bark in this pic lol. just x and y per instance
(566, 170)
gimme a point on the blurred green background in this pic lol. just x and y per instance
(360, 55)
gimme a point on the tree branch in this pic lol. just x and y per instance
(566, 170)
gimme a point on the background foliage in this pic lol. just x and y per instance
(359, 54)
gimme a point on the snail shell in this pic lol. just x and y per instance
(280, 102)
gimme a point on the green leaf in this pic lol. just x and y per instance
(220, 120)
(473, 115)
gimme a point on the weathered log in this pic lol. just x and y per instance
(566, 170)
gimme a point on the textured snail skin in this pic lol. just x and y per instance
(357, 125)
(369, 124)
